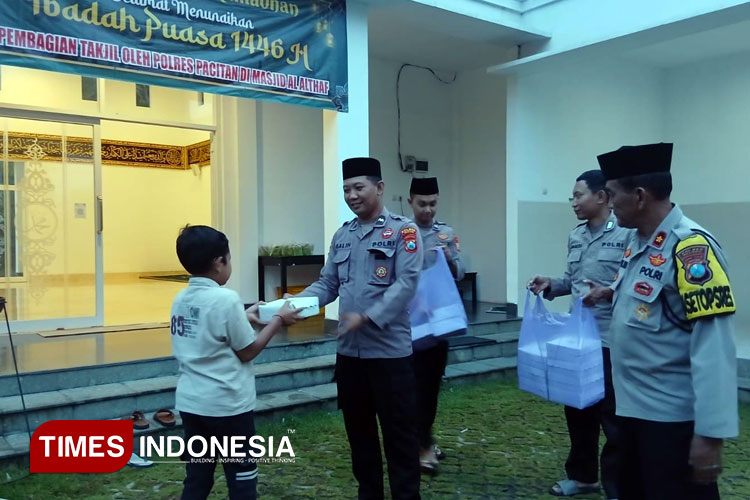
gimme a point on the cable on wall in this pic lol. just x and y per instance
(398, 98)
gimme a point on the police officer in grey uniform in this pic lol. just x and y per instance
(595, 250)
(673, 357)
(373, 268)
(430, 352)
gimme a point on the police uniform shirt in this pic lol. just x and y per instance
(441, 234)
(375, 272)
(673, 355)
(595, 257)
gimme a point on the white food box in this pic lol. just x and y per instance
(308, 307)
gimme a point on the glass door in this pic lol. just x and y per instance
(50, 222)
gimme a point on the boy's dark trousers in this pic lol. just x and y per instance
(583, 428)
(380, 389)
(429, 367)
(242, 478)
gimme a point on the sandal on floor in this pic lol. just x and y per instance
(428, 467)
(164, 417)
(570, 487)
(139, 420)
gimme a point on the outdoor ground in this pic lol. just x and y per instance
(501, 444)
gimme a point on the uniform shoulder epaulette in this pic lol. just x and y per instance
(582, 224)
(348, 222)
(397, 217)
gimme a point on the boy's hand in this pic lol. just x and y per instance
(252, 314)
(289, 314)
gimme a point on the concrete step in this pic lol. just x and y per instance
(104, 401)
(56, 380)
(743, 388)
(275, 405)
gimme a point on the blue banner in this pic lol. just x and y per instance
(292, 51)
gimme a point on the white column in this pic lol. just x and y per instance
(346, 135)
(234, 183)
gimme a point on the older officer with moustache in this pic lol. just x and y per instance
(673, 356)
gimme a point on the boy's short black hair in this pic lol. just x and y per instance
(199, 246)
(659, 184)
(594, 179)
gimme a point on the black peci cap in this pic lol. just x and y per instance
(356, 167)
(629, 161)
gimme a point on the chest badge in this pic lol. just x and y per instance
(387, 233)
(381, 272)
(643, 288)
(443, 236)
(660, 239)
(642, 312)
(656, 260)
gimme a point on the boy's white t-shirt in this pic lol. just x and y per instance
(208, 324)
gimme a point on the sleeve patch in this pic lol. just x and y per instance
(702, 282)
(409, 235)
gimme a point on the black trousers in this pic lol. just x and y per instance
(583, 429)
(242, 478)
(382, 389)
(654, 458)
(429, 367)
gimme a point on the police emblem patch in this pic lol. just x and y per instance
(627, 253)
(643, 288)
(642, 312)
(387, 233)
(455, 241)
(443, 236)
(609, 226)
(656, 260)
(409, 234)
(694, 261)
(381, 272)
(701, 280)
(660, 239)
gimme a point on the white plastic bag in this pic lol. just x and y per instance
(537, 328)
(437, 308)
(560, 355)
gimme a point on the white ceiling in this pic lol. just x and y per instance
(695, 47)
(420, 34)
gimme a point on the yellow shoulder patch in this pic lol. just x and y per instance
(702, 282)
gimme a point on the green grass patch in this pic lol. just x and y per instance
(501, 444)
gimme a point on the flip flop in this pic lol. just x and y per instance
(139, 420)
(136, 461)
(165, 417)
(570, 487)
(428, 467)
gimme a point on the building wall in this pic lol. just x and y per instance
(707, 115)
(460, 129)
(557, 124)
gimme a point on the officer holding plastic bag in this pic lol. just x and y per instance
(595, 249)
(430, 352)
(673, 355)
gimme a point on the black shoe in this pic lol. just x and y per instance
(438, 452)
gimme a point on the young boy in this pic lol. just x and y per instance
(214, 343)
